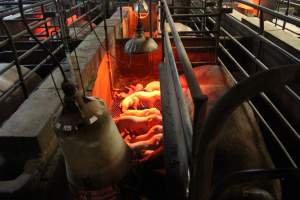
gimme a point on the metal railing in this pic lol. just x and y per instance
(288, 7)
(169, 76)
(42, 16)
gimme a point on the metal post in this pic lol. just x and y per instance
(15, 54)
(150, 16)
(261, 23)
(121, 20)
(286, 13)
(44, 18)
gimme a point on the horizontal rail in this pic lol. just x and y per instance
(16, 10)
(196, 15)
(18, 35)
(257, 61)
(27, 75)
(263, 95)
(290, 19)
(279, 143)
(33, 24)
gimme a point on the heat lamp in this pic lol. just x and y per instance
(140, 8)
(140, 44)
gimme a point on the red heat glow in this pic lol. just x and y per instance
(248, 9)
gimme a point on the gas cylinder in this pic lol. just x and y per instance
(94, 151)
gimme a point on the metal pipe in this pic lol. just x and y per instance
(24, 55)
(286, 13)
(18, 35)
(186, 120)
(16, 10)
(185, 7)
(121, 20)
(27, 75)
(150, 16)
(195, 15)
(15, 55)
(186, 64)
(290, 19)
(264, 96)
(27, 53)
(257, 61)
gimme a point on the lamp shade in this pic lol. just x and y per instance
(138, 45)
(140, 8)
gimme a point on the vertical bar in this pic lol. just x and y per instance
(15, 54)
(217, 29)
(173, 4)
(261, 23)
(258, 11)
(286, 13)
(44, 18)
(121, 19)
(278, 7)
(162, 27)
(150, 27)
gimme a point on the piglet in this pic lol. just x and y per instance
(141, 113)
(141, 99)
(138, 125)
(157, 129)
(154, 85)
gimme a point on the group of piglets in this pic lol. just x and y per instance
(140, 122)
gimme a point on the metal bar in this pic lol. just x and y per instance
(27, 19)
(200, 49)
(150, 19)
(20, 51)
(27, 75)
(121, 20)
(195, 15)
(264, 96)
(257, 61)
(187, 32)
(18, 35)
(210, 133)
(261, 23)
(217, 27)
(294, 4)
(200, 63)
(15, 55)
(187, 67)
(186, 120)
(46, 25)
(272, 133)
(176, 163)
(82, 16)
(290, 19)
(286, 13)
(16, 10)
(24, 55)
(185, 7)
